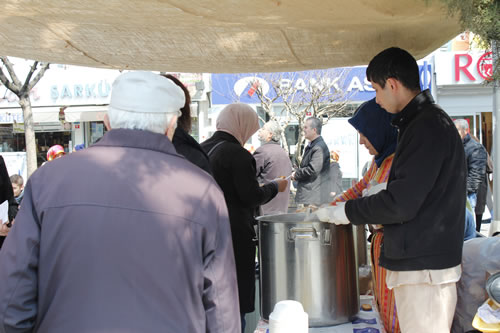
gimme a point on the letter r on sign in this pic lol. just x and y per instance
(463, 68)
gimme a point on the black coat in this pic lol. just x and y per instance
(423, 208)
(6, 191)
(477, 157)
(188, 147)
(233, 168)
(313, 175)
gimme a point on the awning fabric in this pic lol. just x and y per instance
(218, 36)
(85, 113)
(51, 114)
(40, 115)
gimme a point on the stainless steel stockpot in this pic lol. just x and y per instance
(311, 262)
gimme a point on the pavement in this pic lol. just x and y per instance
(485, 229)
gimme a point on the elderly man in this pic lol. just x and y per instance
(313, 175)
(272, 162)
(477, 157)
(423, 208)
(138, 241)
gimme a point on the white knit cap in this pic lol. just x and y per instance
(146, 92)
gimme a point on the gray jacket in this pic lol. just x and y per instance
(272, 162)
(125, 236)
(313, 176)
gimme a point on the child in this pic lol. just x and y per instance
(18, 187)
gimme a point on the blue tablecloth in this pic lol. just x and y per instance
(365, 322)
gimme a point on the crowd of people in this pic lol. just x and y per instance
(160, 235)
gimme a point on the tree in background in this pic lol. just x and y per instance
(301, 95)
(22, 91)
(482, 17)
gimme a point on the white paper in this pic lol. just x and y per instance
(4, 212)
(489, 315)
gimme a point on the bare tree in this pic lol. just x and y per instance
(22, 91)
(302, 95)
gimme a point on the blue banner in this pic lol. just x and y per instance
(342, 84)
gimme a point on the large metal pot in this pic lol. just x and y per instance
(311, 262)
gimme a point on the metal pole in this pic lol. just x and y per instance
(495, 149)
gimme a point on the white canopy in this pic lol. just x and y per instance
(220, 35)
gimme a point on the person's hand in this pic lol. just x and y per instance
(4, 229)
(374, 189)
(333, 214)
(282, 184)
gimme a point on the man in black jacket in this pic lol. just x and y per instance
(313, 175)
(476, 157)
(423, 208)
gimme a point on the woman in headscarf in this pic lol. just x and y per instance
(380, 138)
(233, 167)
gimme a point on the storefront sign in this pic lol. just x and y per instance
(10, 118)
(473, 67)
(100, 89)
(348, 84)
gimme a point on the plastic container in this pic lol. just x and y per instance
(288, 317)
(480, 325)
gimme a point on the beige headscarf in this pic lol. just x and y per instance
(239, 120)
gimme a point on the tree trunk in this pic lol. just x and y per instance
(298, 147)
(29, 134)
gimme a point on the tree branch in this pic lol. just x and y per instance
(38, 76)
(9, 85)
(28, 77)
(12, 73)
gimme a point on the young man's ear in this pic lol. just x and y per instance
(392, 82)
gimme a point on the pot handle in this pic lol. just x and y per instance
(302, 233)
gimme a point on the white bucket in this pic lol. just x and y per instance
(288, 317)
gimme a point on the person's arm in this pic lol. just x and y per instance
(19, 270)
(313, 168)
(220, 290)
(476, 168)
(261, 163)
(357, 190)
(249, 192)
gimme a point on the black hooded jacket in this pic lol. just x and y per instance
(423, 208)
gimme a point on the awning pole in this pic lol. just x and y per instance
(495, 150)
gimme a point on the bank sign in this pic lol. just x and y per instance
(346, 84)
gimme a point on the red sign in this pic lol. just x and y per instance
(77, 126)
(484, 66)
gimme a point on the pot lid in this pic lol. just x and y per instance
(290, 218)
(493, 287)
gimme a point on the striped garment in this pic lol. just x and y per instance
(380, 175)
(385, 297)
